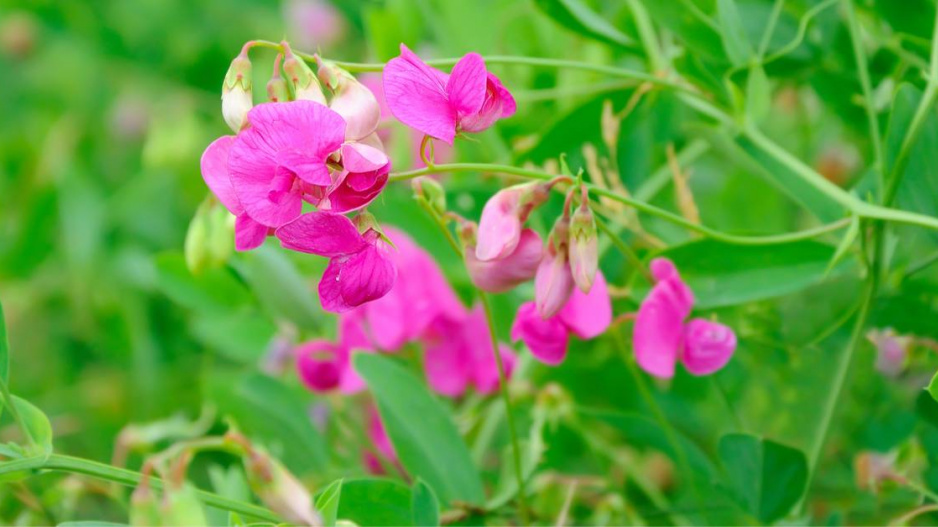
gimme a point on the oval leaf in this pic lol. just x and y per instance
(38, 426)
(376, 502)
(765, 477)
(421, 430)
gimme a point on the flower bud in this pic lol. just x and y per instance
(210, 239)
(181, 506)
(584, 250)
(708, 346)
(892, 351)
(236, 94)
(503, 215)
(430, 190)
(319, 364)
(352, 100)
(277, 89)
(305, 85)
(504, 274)
(553, 283)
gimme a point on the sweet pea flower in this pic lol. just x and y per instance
(440, 105)
(661, 338)
(459, 354)
(359, 269)
(585, 315)
(503, 274)
(364, 176)
(503, 218)
(352, 100)
(249, 234)
(553, 283)
(320, 364)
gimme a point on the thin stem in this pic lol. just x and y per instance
(802, 31)
(770, 27)
(503, 388)
(637, 204)
(130, 478)
(863, 73)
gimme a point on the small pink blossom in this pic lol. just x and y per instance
(553, 283)
(321, 364)
(503, 218)
(503, 274)
(459, 354)
(359, 270)
(364, 176)
(440, 105)
(892, 350)
(661, 338)
(585, 315)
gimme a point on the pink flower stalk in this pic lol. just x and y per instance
(585, 315)
(359, 270)
(468, 99)
(503, 217)
(459, 354)
(249, 234)
(661, 338)
(504, 274)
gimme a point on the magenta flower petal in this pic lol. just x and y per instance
(547, 339)
(499, 225)
(323, 233)
(416, 95)
(466, 86)
(215, 173)
(708, 346)
(320, 364)
(446, 361)
(352, 337)
(330, 292)
(361, 277)
(248, 233)
(299, 134)
(498, 103)
(588, 315)
(361, 158)
(659, 328)
(365, 176)
(553, 284)
(503, 274)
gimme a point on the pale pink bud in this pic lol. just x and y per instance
(892, 350)
(708, 346)
(277, 89)
(503, 274)
(277, 488)
(352, 100)
(236, 94)
(553, 283)
(305, 85)
(584, 247)
(503, 216)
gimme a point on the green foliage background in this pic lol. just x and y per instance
(107, 105)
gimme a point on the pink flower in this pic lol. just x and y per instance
(382, 444)
(248, 233)
(661, 338)
(281, 157)
(314, 23)
(364, 176)
(321, 364)
(351, 99)
(359, 269)
(503, 274)
(892, 350)
(503, 217)
(586, 315)
(439, 105)
(459, 354)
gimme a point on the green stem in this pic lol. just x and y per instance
(770, 28)
(503, 388)
(637, 204)
(130, 478)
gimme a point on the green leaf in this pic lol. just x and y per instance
(735, 42)
(421, 429)
(724, 275)
(758, 94)
(266, 409)
(280, 287)
(327, 503)
(243, 336)
(376, 502)
(933, 387)
(845, 244)
(214, 291)
(4, 351)
(426, 508)
(577, 16)
(38, 425)
(766, 478)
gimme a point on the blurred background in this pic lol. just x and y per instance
(107, 105)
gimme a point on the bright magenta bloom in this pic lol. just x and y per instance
(459, 354)
(661, 338)
(281, 157)
(321, 364)
(360, 269)
(364, 176)
(503, 274)
(585, 315)
(248, 233)
(504, 215)
(468, 99)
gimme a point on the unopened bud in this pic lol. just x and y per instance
(236, 92)
(583, 247)
(277, 89)
(503, 217)
(351, 99)
(305, 85)
(431, 191)
(144, 505)
(553, 283)
(210, 238)
(181, 506)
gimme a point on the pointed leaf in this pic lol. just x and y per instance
(376, 502)
(577, 16)
(765, 477)
(425, 505)
(38, 425)
(735, 42)
(327, 503)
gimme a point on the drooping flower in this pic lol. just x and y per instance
(585, 315)
(553, 283)
(440, 105)
(662, 339)
(503, 217)
(325, 366)
(459, 354)
(503, 274)
(583, 247)
(359, 269)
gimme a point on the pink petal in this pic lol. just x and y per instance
(498, 104)
(658, 331)
(304, 165)
(467, 84)
(353, 338)
(319, 364)
(708, 346)
(588, 315)
(215, 173)
(330, 292)
(499, 225)
(358, 106)
(358, 157)
(365, 276)
(445, 361)
(553, 284)
(248, 233)
(547, 339)
(416, 95)
(503, 274)
(323, 233)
